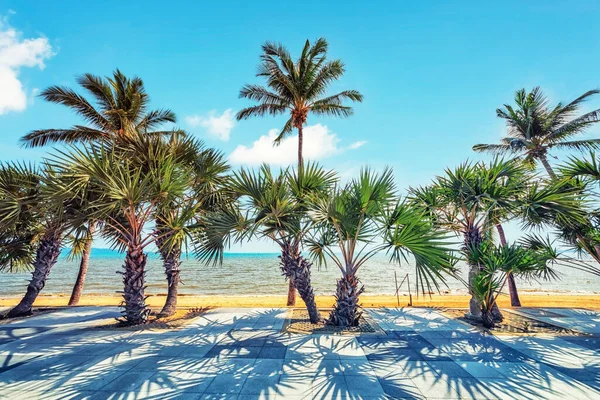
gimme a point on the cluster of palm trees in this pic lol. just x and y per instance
(124, 177)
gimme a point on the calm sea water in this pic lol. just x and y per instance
(252, 274)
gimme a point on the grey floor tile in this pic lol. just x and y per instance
(261, 384)
(128, 381)
(227, 383)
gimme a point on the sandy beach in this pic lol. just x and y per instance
(538, 299)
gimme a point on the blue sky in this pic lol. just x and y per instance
(432, 73)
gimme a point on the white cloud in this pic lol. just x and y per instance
(356, 145)
(319, 142)
(17, 53)
(219, 126)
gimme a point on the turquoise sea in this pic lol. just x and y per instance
(253, 274)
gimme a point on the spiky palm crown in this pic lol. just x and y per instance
(36, 203)
(297, 88)
(268, 205)
(480, 195)
(365, 217)
(117, 107)
(534, 127)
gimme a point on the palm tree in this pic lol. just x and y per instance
(534, 128)
(297, 88)
(531, 259)
(37, 210)
(273, 207)
(471, 199)
(585, 174)
(177, 219)
(511, 179)
(358, 216)
(119, 110)
(126, 202)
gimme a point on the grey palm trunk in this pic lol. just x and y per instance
(473, 237)
(46, 257)
(512, 285)
(134, 284)
(544, 160)
(296, 269)
(83, 268)
(291, 296)
(346, 311)
(172, 263)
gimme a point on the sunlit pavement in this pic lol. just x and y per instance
(241, 354)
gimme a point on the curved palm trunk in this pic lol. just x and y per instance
(544, 160)
(297, 269)
(172, 264)
(512, 285)
(346, 311)
(135, 311)
(46, 256)
(83, 268)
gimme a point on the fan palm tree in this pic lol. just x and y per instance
(126, 202)
(471, 199)
(358, 216)
(118, 109)
(533, 258)
(584, 173)
(177, 219)
(37, 210)
(511, 178)
(297, 89)
(273, 207)
(534, 128)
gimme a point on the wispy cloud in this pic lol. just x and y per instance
(219, 126)
(16, 53)
(319, 143)
(356, 145)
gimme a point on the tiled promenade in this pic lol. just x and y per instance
(241, 354)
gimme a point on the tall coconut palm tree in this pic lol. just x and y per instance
(272, 207)
(37, 210)
(126, 202)
(534, 128)
(358, 216)
(116, 108)
(297, 89)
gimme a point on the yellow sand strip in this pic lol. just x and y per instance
(591, 301)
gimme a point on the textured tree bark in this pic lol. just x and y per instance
(488, 319)
(300, 144)
(297, 269)
(472, 237)
(46, 256)
(291, 296)
(83, 268)
(546, 164)
(135, 311)
(172, 264)
(346, 311)
(512, 285)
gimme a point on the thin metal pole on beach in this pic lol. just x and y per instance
(409, 293)
(397, 289)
